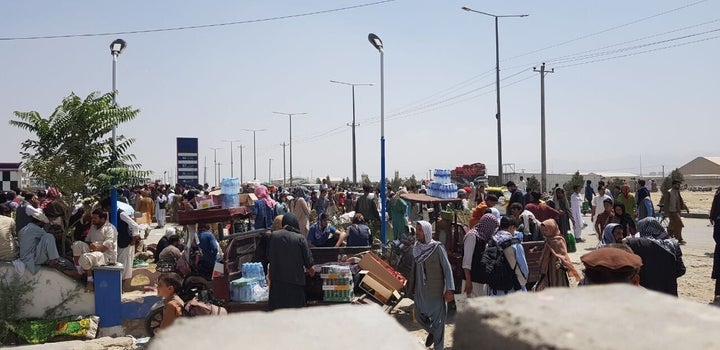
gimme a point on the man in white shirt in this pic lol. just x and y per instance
(99, 248)
(597, 202)
(576, 201)
(128, 235)
(522, 185)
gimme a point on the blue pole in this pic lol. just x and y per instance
(113, 190)
(383, 186)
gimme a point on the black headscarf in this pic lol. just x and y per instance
(290, 223)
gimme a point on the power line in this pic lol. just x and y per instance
(640, 52)
(630, 48)
(608, 29)
(201, 26)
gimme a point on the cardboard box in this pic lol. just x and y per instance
(376, 288)
(205, 202)
(247, 199)
(379, 270)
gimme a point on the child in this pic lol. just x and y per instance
(167, 287)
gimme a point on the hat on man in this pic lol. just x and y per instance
(510, 184)
(41, 217)
(612, 259)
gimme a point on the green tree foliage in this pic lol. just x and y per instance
(667, 182)
(72, 149)
(411, 182)
(533, 184)
(576, 179)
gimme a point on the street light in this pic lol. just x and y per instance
(354, 153)
(116, 48)
(241, 163)
(232, 161)
(497, 82)
(254, 151)
(215, 163)
(377, 43)
(290, 115)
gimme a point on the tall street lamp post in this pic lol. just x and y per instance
(377, 43)
(290, 115)
(232, 161)
(497, 83)
(116, 48)
(254, 131)
(354, 152)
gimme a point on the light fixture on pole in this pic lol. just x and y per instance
(232, 161)
(116, 48)
(377, 43)
(354, 152)
(254, 151)
(497, 83)
(290, 115)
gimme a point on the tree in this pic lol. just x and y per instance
(667, 182)
(411, 182)
(576, 179)
(532, 184)
(72, 149)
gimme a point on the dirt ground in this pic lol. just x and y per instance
(695, 286)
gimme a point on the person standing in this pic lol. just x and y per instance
(522, 184)
(474, 244)
(263, 208)
(431, 284)
(589, 192)
(127, 236)
(661, 256)
(397, 209)
(209, 247)
(555, 264)
(598, 203)
(146, 206)
(562, 204)
(366, 206)
(603, 218)
(540, 210)
(674, 203)
(715, 222)
(514, 256)
(301, 211)
(290, 259)
(577, 217)
(8, 240)
(628, 200)
(160, 206)
(516, 196)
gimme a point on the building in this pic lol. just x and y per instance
(702, 171)
(11, 176)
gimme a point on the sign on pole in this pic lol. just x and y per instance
(187, 161)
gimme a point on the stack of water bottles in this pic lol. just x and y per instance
(337, 283)
(252, 287)
(230, 190)
(441, 186)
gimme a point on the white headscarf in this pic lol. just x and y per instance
(169, 232)
(422, 251)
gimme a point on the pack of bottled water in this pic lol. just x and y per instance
(254, 270)
(442, 186)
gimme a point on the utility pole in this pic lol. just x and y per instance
(232, 161)
(353, 125)
(215, 161)
(663, 171)
(283, 146)
(205, 171)
(254, 151)
(218, 175)
(290, 115)
(270, 171)
(543, 151)
(241, 163)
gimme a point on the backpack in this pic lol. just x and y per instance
(196, 307)
(495, 270)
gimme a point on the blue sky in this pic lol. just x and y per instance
(654, 109)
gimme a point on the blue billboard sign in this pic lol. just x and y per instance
(187, 161)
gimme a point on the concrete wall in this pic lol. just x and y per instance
(344, 327)
(599, 317)
(49, 290)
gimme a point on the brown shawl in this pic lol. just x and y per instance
(554, 249)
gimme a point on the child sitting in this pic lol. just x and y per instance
(167, 287)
